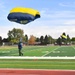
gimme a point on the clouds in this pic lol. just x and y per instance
(56, 17)
(70, 22)
(58, 14)
(54, 31)
(68, 4)
(37, 31)
(52, 23)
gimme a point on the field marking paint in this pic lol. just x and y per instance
(51, 51)
(5, 52)
(73, 47)
(21, 69)
(23, 57)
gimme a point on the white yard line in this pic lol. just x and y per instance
(73, 47)
(51, 51)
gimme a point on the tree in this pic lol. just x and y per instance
(32, 40)
(5, 40)
(42, 40)
(68, 39)
(46, 40)
(26, 38)
(15, 35)
(73, 40)
(59, 41)
(51, 40)
(0, 40)
(37, 39)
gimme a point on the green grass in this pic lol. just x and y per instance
(63, 51)
(39, 51)
(8, 51)
(38, 64)
(27, 50)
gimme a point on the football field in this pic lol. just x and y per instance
(38, 57)
(39, 51)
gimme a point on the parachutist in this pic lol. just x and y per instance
(20, 48)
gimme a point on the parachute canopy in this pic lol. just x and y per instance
(23, 15)
(64, 36)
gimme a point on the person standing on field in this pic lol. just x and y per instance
(20, 48)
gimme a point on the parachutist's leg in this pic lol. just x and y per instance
(19, 52)
(22, 54)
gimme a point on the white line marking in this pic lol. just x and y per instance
(18, 57)
(13, 69)
(51, 51)
(73, 47)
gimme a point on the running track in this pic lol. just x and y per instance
(35, 72)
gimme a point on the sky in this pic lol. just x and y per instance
(57, 16)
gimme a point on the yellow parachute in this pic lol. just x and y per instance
(23, 15)
(64, 36)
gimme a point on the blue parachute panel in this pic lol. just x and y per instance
(22, 18)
